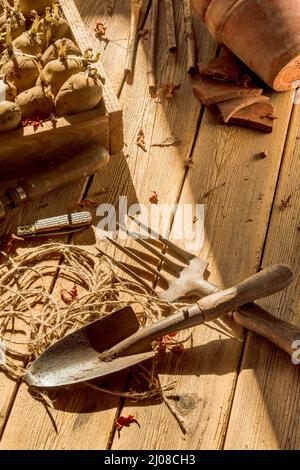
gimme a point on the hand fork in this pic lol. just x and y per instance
(188, 278)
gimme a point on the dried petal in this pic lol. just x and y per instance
(140, 140)
(69, 295)
(154, 198)
(125, 421)
(168, 142)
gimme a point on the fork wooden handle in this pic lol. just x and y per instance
(258, 320)
(264, 283)
(254, 318)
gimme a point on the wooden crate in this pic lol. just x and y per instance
(25, 147)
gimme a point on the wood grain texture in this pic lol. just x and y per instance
(265, 408)
(52, 141)
(112, 105)
(237, 190)
(135, 175)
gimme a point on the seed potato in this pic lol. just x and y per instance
(37, 102)
(80, 93)
(10, 116)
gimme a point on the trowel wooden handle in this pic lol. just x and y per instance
(266, 282)
(81, 165)
(254, 318)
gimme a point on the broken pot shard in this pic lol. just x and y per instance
(258, 116)
(225, 69)
(210, 91)
(229, 108)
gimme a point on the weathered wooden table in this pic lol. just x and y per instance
(232, 394)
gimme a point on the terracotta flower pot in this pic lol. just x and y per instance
(201, 6)
(264, 34)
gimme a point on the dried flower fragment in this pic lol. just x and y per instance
(69, 295)
(7, 242)
(100, 29)
(140, 140)
(125, 421)
(167, 91)
(88, 203)
(154, 198)
(168, 142)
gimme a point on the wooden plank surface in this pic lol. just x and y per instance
(136, 177)
(265, 408)
(237, 189)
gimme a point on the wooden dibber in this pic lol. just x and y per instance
(189, 36)
(170, 20)
(151, 69)
(136, 6)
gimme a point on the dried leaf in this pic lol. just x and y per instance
(7, 242)
(100, 29)
(140, 140)
(125, 421)
(69, 295)
(178, 349)
(88, 203)
(167, 91)
(171, 90)
(188, 162)
(143, 32)
(154, 198)
(285, 202)
(168, 142)
(109, 7)
(36, 123)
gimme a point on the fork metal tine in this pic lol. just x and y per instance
(139, 260)
(125, 268)
(176, 267)
(186, 255)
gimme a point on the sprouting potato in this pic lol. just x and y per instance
(10, 116)
(26, 6)
(28, 44)
(57, 72)
(37, 102)
(8, 92)
(52, 53)
(22, 72)
(81, 92)
(61, 30)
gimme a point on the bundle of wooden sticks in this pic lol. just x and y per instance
(136, 7)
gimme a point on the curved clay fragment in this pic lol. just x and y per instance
(225, 68)
(210, 91)
(229, 108)
(258, 116)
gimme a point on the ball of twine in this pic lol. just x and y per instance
(34, 313)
